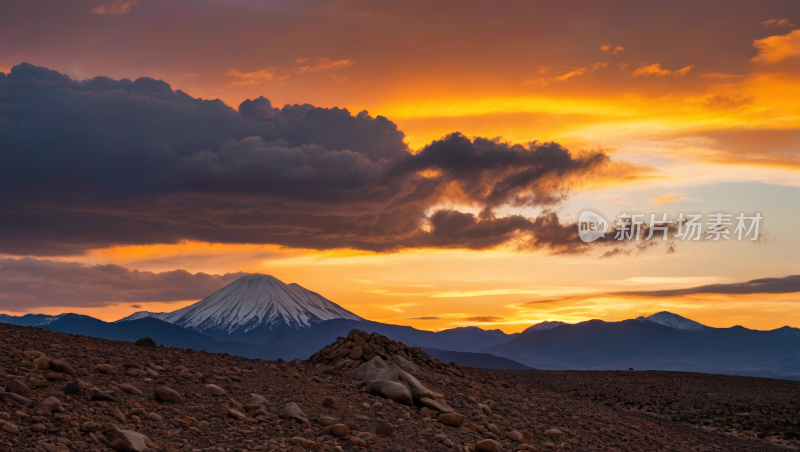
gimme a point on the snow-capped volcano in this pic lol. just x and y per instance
(254, 301)
(542, 326)
(674, 321)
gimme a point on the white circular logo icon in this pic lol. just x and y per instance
(591, 225)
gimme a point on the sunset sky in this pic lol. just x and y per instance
(452, 202)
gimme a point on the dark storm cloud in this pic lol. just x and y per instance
(786, 284)
(28, 283)
(102, 162)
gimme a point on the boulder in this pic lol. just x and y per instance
(436, 404)
(292, 411)
(214, 390)
(392, 390)
(451, 419)
(356, 352)
(129, 389)
(340, 430)
(166, 394)
(62, 367)
(128, 441)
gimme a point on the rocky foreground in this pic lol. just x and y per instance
(64, 392)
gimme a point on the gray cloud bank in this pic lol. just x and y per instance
(102, 162)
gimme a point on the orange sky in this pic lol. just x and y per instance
(697, 103)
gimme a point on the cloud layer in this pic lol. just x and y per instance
(786, 284)
(30, 283)
(102, 162)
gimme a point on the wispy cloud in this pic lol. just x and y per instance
(323, 64)
(117, 7)
(544, 81)
(259, 76)
(484, 319)
(658, 71)
(611, 49)
(777, 23)
(669, 197)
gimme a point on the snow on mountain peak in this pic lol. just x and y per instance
(143, 315)
(256, 300)
(674, 321)
(546, 325)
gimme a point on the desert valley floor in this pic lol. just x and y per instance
(75, 393)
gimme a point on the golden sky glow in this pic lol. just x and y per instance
(697, 113)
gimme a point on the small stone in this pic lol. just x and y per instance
(339, 430)
(292, 411)
(488, 445)
(329, 402)
(356, 352)
(554, 433)
(515, 436)
(38, 428)
(384, 429)
(302, 442)
(60, 366)
(11, 428)
(358, 441)
(156, 417)
(129, 389)
(451, 419)
(88, 426)
(53, 405)
(42, 362)
(214, 390)
(203, 427)
(166, 394)
(327, 420)
(442, 438)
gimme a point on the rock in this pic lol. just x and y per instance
(11, 428)
(214, 390)
(326, 421)
(359, 341)
(471, 427)
(32, 354)
(436, 404)
(451, 419)
(554, 433)
(203, 427)
(302, 442)
(493, 428)
(515, 436)
(356, 352)
(129, 389)
(292, 411)
(166, 394)
(488, 445)
(241, 416)
(156, 417)
(128, 441)
(38, 428)
(527, 437)
(485, 409)
(17, 387)
(384, 429)
(60, 366)
(134, 372)
(340, 430)
(329, 402)
(88, 426)
(103, 396)
(392, 390)
(358, 441)
(404, 364)
(53, 405)
(104, 368)
(76, 388)
(145, 342)
(42, 362)
(442, 438)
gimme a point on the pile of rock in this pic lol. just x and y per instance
(360, 347)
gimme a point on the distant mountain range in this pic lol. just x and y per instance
(258, 316)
